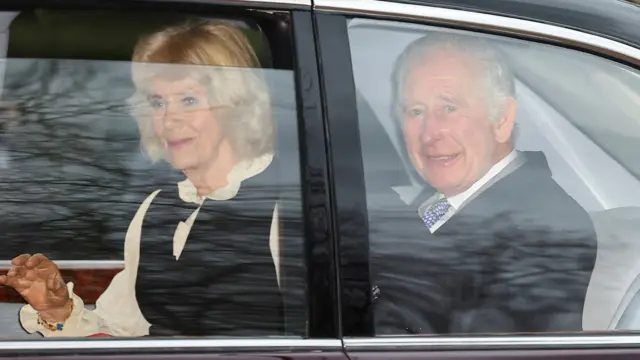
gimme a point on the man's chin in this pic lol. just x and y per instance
(443, 186)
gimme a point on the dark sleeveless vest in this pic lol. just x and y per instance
(224, 282)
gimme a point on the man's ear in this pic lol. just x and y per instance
(504, 126)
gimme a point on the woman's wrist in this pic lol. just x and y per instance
(59, 314)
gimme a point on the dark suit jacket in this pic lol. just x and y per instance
(517, 258)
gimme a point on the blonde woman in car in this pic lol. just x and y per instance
(198, 255)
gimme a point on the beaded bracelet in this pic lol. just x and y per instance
(57, 326)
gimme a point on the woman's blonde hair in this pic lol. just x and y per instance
(189, 50)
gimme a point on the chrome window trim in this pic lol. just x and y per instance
(218, 345)
(487, 22)
(277, 3)
(305, 3)
(508, 342)
(77, 264)
(285, 2)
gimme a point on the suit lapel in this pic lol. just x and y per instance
(428, 195)
(478, 206)
(513, 166)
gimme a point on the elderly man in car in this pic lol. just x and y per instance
(494, 244)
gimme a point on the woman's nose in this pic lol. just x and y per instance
(173, 116)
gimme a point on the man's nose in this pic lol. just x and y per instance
(431, 129)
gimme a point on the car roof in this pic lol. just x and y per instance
(615, 19)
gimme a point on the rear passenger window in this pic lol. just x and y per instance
(153, 157)
(502, 182)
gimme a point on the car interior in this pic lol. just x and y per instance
(49, 54)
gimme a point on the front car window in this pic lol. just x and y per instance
(468, 235)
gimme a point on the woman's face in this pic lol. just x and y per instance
(185, 123)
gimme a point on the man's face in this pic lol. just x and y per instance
(448, 131)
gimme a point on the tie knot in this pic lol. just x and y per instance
(435, 212)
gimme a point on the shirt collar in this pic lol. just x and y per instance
(242, 171)
(457, 200)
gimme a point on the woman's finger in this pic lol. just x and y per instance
(18, 283)
(33, 275)
(47, 266)
(46, 271)
(38, 260)
(8, 280)
(20, 260)
(17, 271)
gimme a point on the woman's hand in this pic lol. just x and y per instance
(39, 282)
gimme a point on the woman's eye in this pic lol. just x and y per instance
(190, 101)
(156, 103)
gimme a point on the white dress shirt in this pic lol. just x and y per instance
(456, 201)
(117, 312)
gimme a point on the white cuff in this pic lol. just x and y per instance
(29, 317)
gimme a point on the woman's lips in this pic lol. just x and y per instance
(174, 144)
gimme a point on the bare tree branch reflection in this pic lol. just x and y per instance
(75, 173)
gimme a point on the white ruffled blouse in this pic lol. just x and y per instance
(117, 312)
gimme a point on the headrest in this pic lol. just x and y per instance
(97, 34)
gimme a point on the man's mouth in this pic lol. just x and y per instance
(442, 160)
(444, 157)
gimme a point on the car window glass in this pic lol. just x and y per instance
(535, 237)
(76, 164)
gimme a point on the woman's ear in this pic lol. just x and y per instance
(504, 126)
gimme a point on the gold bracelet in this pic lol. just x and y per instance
(57, 326)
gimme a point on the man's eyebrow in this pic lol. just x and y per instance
(452, 98)
(414, 103)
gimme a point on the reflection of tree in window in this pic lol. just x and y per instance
(72, 185)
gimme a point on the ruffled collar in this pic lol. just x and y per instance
(242, 171)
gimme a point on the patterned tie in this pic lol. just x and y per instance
(435, 212)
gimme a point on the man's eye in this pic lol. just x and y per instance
(415, 112)
(450, 108)
(190, 101)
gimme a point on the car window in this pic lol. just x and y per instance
(501, 182)
(99, 159)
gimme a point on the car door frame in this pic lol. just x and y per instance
(349, 184)
(323, 324)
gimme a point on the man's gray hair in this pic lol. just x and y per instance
(496, 75)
